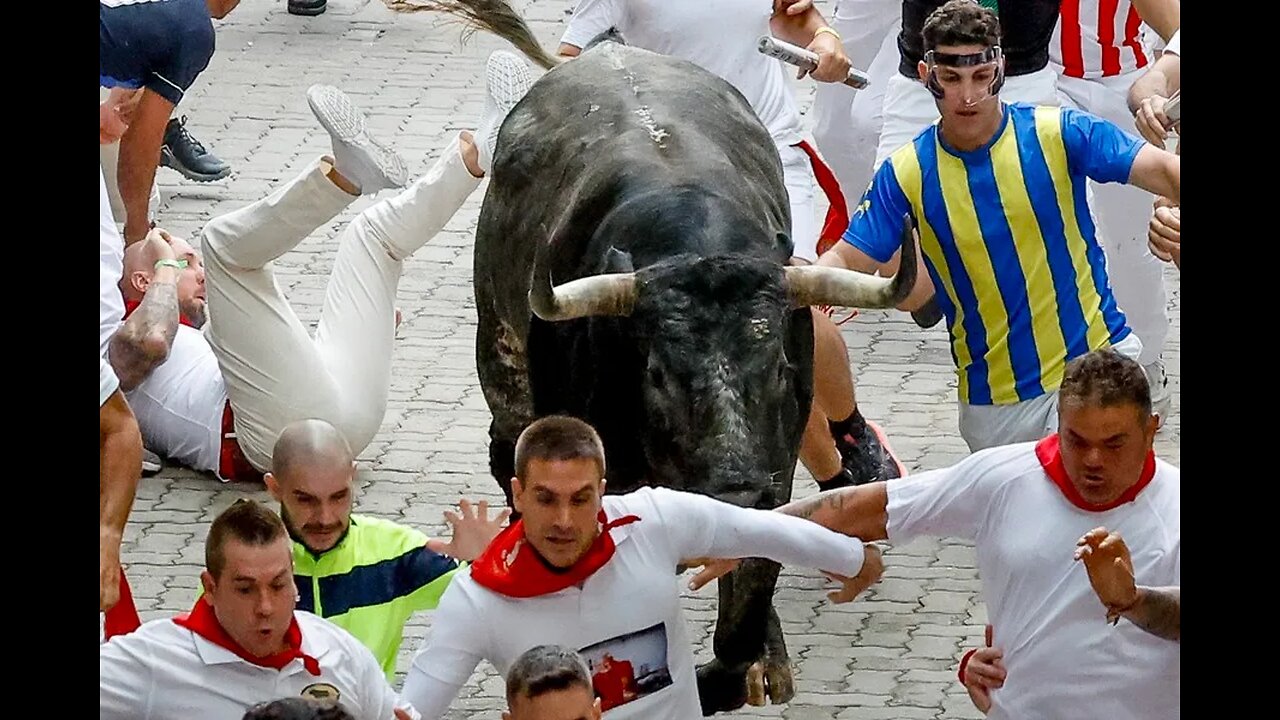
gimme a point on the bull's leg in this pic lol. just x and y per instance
(742, 626)
(778, 681)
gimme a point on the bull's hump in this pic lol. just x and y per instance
(617, 57)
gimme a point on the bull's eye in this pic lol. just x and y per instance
(656, 377)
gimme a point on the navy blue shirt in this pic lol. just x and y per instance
(161, 45)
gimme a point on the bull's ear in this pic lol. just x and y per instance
(618, 261)
(784, 241)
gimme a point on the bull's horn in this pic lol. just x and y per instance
(817, 285)
(611, 294)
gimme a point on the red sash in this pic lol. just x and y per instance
(203, 622)
(122, 618)
(510, 566)
(1049, 453)
(837, 210)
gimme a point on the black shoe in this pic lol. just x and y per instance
(929, 314)
(307, 7)
(867, 456)
(184, 153)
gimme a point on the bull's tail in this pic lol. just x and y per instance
(495, 16)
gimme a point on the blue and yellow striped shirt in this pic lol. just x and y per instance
(1009, 242)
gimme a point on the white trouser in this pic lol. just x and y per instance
(847, 121)
(1122, 213)
(797, 173)
(109, 158)
(984, 426)
(111, 269)
(275, 372)
(910, 108)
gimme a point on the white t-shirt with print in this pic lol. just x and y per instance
(629, 608)
(1059, 651)
(163, 671)
(719, 35)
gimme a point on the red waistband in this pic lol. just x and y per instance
(232, 464)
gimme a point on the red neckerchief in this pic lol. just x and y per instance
(131, 305)
(203, 622)
(509, 568)
(1048, 451)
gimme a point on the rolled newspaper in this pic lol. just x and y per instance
(1172, 109)
(801, 58)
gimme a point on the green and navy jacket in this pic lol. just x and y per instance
(369, 584)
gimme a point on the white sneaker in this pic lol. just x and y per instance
(1161, 396)
(357, 155)
(507, 79)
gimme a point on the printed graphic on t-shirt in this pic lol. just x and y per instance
(629, 666)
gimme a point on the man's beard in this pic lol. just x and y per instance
(295, 533)
(194, 311)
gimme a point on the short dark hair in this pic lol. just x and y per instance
(1106, 378)
(961, 22)
(296, 708)
(544, 669)
(247, 521)
(558, 437)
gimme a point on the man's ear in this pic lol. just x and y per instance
(595, 706)
(517, 489)
(923, 71)
(506, 715)
(207, 581)
(139, 281)
(273, 486)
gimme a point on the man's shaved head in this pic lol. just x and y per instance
(140, 267)
(307, 443)
(312, 468)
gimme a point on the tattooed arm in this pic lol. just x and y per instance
(1158, 611)
(142, 343)
(858, 511)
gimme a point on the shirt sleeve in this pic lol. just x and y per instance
(1098, 148)
(699, 526)
(125, 678)
(180, 67)
(107, 382)
(1174, 45)
(949, 502)
(453, 649)
(875, 227)
(590, 18)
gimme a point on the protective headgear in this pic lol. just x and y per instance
(933, 59)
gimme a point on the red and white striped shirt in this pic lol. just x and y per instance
(1098, 38)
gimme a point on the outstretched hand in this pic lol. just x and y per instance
(472, 530)
(1106, 558)
(872, 570)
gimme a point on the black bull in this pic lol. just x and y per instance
(649, 192)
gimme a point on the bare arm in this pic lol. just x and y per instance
(569, 51)
(1158, 611)
(1164, 16)
(1162, 79)
(861, 512)
(143, 342)
(1157, 171)
(797, 29)
(139, 156)
(119, 467)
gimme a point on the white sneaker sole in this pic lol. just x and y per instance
(345, 123)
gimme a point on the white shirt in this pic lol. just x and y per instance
(1059, 651)
(1175, 44)
(1095, 39)
(629, 608)
(107, 381)
(718, 35)
(111, 260)
(163, 671)
(179, 406)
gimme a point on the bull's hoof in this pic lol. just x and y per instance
(756, 690)
(778, 682)
(720, 689)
